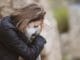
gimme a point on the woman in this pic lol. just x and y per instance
(13, 41)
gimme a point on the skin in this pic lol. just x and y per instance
(33, 27)
(36, 24)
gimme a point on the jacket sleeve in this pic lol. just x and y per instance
(16, 44)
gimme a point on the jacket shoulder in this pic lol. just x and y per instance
(5, 23)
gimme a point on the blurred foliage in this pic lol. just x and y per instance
(61, 15)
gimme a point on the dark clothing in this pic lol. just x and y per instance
(14, 43)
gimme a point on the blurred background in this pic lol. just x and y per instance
(64, 22)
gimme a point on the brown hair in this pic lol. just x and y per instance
(30, 13)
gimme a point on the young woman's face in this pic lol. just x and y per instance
(33, 29)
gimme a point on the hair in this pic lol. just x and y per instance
(23, 16)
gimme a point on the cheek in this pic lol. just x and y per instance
(41, 27)
(39, 30)
(30, 30)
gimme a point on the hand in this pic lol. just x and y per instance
(40, 40)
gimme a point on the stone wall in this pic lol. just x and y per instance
(71, 39)
(74, 11)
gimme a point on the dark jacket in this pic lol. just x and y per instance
(14, 43)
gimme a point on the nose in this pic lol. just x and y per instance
(34, 34)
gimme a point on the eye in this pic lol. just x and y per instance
(35, 26)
